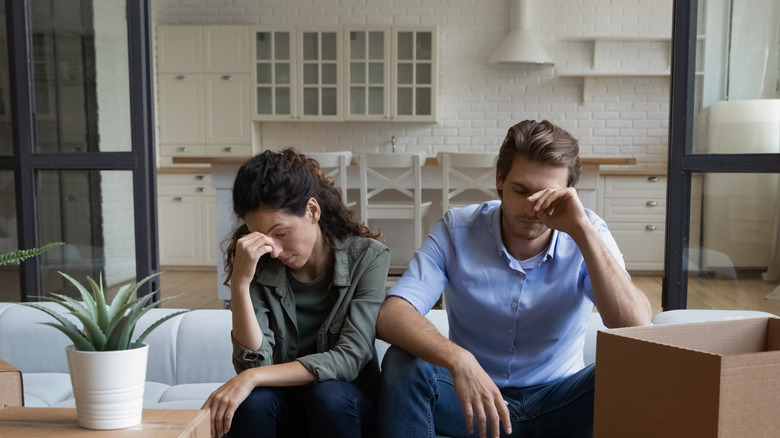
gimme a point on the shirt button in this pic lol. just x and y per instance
(514, 305)
(511, 330)
(505, 374)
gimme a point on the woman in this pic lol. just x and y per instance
(306, 281)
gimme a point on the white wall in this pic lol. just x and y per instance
(477, 102)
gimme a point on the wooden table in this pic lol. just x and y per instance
(17, 421)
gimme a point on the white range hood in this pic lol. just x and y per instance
(520, 45)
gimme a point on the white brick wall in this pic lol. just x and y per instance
(477, 102)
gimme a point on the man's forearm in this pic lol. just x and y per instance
(620, 303)
(402, 325)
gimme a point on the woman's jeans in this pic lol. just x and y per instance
(419, 400)
(328, 409)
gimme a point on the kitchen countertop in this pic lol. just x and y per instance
(429, 161)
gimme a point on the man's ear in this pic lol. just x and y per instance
(499, 184)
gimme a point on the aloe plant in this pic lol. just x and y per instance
(106, 327)
(21, 255)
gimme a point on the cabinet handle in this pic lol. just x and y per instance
(181, 149)
(228, 149)
(652, 179)
(70, 198)
(227, 77)
(200, 189)
(177, 199)
(650, 227)
(180, 78)
(199, 177)
(651, 203)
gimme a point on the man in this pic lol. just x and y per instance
(522, 275)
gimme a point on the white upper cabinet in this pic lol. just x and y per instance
(414, 78)
(367, 73)
(354, 73)
(180, 49)
(204, 89)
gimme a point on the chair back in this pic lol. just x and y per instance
(334, 165)
(466, 173)
(398, 175)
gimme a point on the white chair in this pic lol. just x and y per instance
(398, 177)
(464, 175)
(334, 165)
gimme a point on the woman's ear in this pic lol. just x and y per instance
(313, 209)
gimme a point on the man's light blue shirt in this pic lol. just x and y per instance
(524, 321)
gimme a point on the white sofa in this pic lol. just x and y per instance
(189, 355)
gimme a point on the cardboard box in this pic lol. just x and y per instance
(712, 379)
(11, 389)
(62, 423)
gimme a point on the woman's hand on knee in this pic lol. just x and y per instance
(223, 402)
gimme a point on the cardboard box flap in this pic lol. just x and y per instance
(718, 338)
(11, 388)
(634, 388)
(750, 385)
(773, 338)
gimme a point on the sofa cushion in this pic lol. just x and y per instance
(46, 389)
(203, 347)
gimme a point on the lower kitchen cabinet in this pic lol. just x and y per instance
(634, 207)
(186, 205)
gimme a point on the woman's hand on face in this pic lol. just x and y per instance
(223, 402)
(249, 249)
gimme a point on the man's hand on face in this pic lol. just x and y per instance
(559, 209)
(480, 398)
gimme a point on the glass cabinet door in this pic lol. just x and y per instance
(415, 75)
(274, 74)
(320, 75)
(367, 74)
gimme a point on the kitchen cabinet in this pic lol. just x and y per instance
(634, 207)
(187, 219)
(298, 73)
(354, 73)
(204, 88)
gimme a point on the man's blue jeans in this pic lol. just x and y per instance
(328, 409)
(419, 400)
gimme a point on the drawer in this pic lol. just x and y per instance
(241, 150)
(196, 184)
(634, 210)
(621, 186)
(642, 245)
(178, 150)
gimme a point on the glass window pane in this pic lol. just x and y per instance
(329, 74)
(738, 126)
(92, 212)
(404, 101)
(424, 45)
(423, 104)
(732, 261)
(405, 74)
(329, 46)
(263, 46)
(81, 80)
(311, 102)
(357, 100)
(357, 73)
(376, 100)
(357, 45)
(310, 46)
(310, 74)
(283, 101)
(376, 73)
(376, 45)
(9, 274)
(424, 74)
(264, 101)
(329, 101)
(282, 46)
(6, 145)
(405, 45)
(264, 75)
(282, 73)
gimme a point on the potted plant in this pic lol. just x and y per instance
(21, 255)
(107, 364)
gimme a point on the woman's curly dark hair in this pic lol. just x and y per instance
(285, 181)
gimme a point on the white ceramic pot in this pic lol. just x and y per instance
(108, 386)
